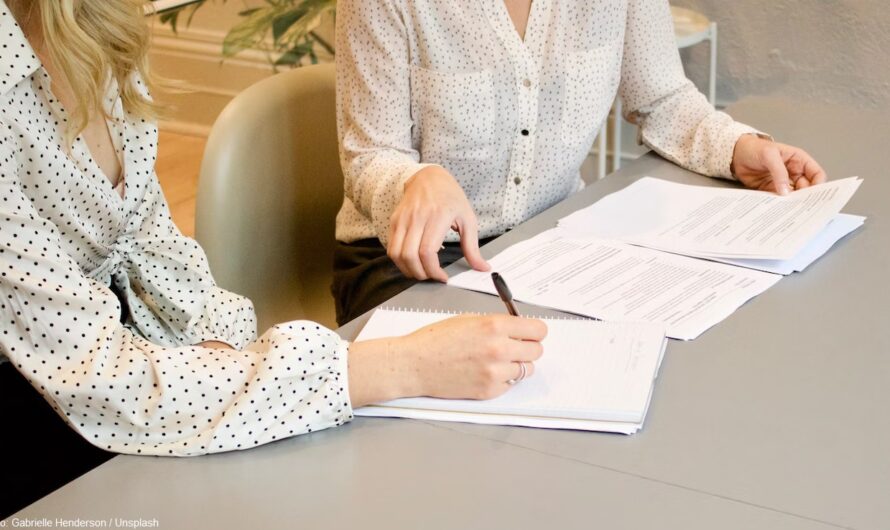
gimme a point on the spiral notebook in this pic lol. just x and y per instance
(593, 376)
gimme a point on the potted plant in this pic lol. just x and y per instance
(286, 29)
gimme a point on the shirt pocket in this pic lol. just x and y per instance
(454, 112)
(591, 83)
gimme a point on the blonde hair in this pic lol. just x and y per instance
(93, 41)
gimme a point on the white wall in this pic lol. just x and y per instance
(831, 51)
(823, 51)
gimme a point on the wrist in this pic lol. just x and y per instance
(431, 172)
(741, 144)
(381, 370)
(404, 364)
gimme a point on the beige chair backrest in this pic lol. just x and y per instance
(269, 191)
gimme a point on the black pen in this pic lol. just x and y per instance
(504, 292)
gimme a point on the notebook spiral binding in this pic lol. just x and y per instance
(456, 313)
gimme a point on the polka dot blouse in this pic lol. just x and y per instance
(102, 300)
(452, 83)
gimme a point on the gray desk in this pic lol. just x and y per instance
(775, 418)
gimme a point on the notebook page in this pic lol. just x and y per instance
(590, 370)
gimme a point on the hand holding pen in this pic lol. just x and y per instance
(504, 292)
(500, 285)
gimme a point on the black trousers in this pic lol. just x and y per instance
(40, 452)
(365, 277)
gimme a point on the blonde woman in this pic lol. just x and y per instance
(460, 120)
(111, 322)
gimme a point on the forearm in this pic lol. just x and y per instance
(374, 107)
(687, 130)
(676, 120)
(464, 357)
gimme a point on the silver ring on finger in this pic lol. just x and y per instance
(523, 371)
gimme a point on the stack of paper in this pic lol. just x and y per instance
(593, 376)
(734, 225)
(636, 254)
(837, 228)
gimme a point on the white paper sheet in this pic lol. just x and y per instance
(839, 227)
(713, 222)
(592, 376)
(615, 281)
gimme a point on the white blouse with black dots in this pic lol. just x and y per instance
(452, 83)
(123, 369)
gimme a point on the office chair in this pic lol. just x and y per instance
(269, 190)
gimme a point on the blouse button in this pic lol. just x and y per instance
(517, 180)
(524, 132)
(526, 83)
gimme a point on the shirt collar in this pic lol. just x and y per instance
(17, 59)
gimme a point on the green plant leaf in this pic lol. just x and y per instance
(249, 32)
(170, 17)
(291, 24)
(283, 22)
(289, 58)
(301, 28)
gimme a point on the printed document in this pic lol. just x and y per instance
(614, 281)
(839, 227)
(714, 222)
